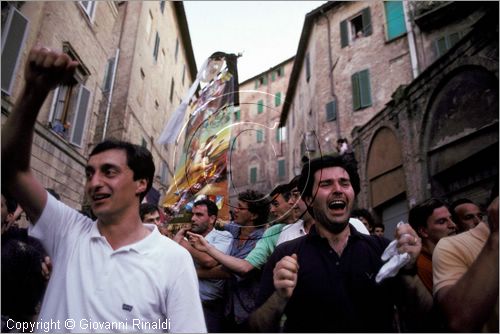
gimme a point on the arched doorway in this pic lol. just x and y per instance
(462, 135)
(387, 180)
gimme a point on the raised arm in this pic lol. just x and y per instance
(267, 317)
(478, 286)
(202, 259)
(44, 70)
(216, 272)
(239, 266)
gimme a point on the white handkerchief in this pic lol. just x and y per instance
(396, 261)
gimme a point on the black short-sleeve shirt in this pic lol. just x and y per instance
(335, 294)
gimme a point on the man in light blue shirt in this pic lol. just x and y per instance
(211, 290)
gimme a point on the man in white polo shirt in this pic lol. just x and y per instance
(112, 274)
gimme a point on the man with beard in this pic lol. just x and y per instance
(325, 281)
(211, 290)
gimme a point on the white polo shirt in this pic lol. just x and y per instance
(148, 286)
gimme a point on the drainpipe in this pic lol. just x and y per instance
(411, 40)
(330, 70)
(110, 97)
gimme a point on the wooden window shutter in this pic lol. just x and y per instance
(277, 99)
(78, 125)
(331, 111)
(365, 89)
(367, 21)
(13, 37)
(344, 35)
(356, 103)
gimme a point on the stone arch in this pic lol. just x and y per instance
(384, 167)
(460, 133)
(386, 178)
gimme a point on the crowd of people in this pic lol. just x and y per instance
(299, 259)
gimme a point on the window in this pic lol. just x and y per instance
(172, 89)
(281, 168)
(281, 134)
(108, 76)
(183, 74)
(253, 175)
(443, 44)
(162, 6)
(260, 107)
(14, 33)
(68, 113)
(237, 115)
(88, 8)
(361, 91)
(308, 68)
(157, 46)
(176, 48)
(280, 71)
(260, 136)
(358, 26)
(277, 99)
(395, 18)
(262, 81)
(331, 111)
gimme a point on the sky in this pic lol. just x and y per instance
(265, 32)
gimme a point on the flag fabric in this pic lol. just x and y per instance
(201, 171)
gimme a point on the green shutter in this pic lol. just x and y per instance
(281, 168)
(331, 111)
(395, 18)
(367, 21)
(344, 36)
(273, 75)
(264, 80)
(355, 91)
(277, 99)
(365, 89)
(237, 115)
(281, 71)
(260, 107)
(253, 175)
(256, 83)
(260, 136)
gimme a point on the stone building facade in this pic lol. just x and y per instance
(150, 45)
(340, 78)
(438, 136)
(352, 59)
(257, 156)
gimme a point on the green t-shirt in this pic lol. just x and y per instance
(265, 246)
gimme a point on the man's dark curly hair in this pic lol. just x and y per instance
(257, 204)
(310, 167)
